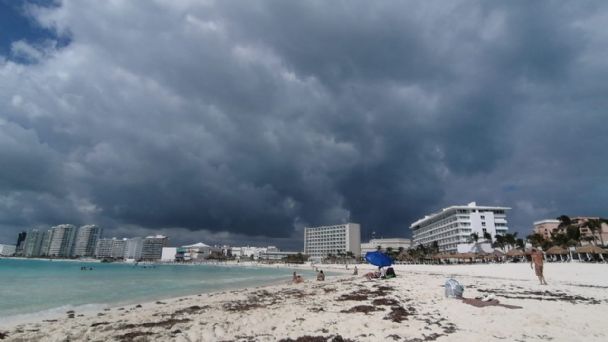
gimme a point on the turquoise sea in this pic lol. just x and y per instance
(35, 286)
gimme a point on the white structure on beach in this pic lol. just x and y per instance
(86, 240)
(7, 250)
(61, 242)
(168, 254)
(335, 239)
(454, 225)
(251, 252)
(392, 243)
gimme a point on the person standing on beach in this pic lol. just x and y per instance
(536, 262)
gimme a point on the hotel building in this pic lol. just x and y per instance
(7, 250)
(545, 228)
(111, 248)
(152, 248)
(393, 243)
(454, 225)
(86, 241)
(133, 248)
(61, 241)
(33, 243)
(340, 238)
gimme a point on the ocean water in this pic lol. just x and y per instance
(39, 286)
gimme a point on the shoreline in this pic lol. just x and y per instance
(410, 307)
(53, 313)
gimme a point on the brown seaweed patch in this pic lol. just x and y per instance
(366, 309)
(307, 338)
(169, 323)
(385, 301)
(542, 295)
(398, 314)
(3, 335)
(98, 324)
(130, 336)
(191, 310)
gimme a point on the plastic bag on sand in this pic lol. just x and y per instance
(453, 289)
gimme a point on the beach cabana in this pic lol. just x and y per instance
(591, 249)
(515, 253)
(557, 250)
(497, 254)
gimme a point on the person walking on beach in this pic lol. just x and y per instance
(536, 262)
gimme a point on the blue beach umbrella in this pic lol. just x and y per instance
(378, 259)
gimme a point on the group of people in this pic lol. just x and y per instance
(296, 279)
(381, 273)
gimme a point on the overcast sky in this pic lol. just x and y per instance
(242, 122)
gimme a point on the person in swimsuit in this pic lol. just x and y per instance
(537, 263)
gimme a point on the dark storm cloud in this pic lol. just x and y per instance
(227, 122)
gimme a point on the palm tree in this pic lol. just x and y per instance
(510, 239)
(535, 239)
(500, 242)
(564, 221)
(487, 236)
(594, 226)
(474, 237)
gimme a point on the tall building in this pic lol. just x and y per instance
(455, 224)
(86, 240)
(335, 239)
(61, 242)
(133, 248)
(110, 248)
(45, 243)
(545, 228)
(20, 243)
(32, 246)
(152, 248)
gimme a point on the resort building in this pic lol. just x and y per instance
(20, 243)
(250, 252)
(133, 248)
(33, 243)
(601, 235)
(61, 241)
(384, 244)
(335, 239)
(276, 255)
(45, 243)
(152, 248)
(7, 250)
(86, 240)
(545, 228)
(168, 254)
(454, 225)
(110, 248)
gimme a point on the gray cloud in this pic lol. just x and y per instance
(241, 123)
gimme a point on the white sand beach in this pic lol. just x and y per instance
(410, 307)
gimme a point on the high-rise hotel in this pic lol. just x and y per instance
(340, 238)
(455, 224)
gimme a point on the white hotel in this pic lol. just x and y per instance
(340, 238)
(454, 225)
